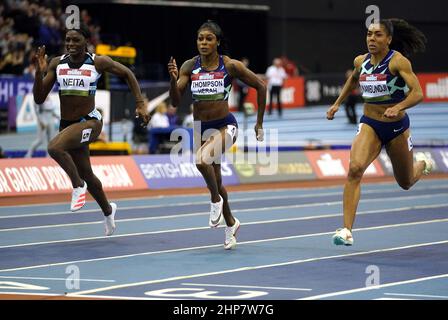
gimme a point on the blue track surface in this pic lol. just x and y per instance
(163, 248)
(297, 128)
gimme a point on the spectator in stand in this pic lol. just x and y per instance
(34, 23)
(290, 67)
(14, 61)
(49, 35)
(276, 75)
(160, 118)
(189, 120)
(172, 116)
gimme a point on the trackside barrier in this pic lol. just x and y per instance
(39, 176)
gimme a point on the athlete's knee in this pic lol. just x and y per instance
(405, 185)
(54, 151)
(92, 181)
(202, 166)
(88, 176)
(356, 170)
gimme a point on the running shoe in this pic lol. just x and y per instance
(230, 241)
(343, 236)
(216, 216)
(109, 221)
(78, 197)
(429, 163)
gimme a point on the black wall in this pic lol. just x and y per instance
(320, 35)
(161, 31)
(326, 35)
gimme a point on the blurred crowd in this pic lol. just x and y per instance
(26, 25)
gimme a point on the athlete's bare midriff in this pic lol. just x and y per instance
(210, 110)
(376, 111)
(75, 107)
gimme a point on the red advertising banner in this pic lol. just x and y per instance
(335, 164)
(434, 86)
(292, 94)
(44, 175)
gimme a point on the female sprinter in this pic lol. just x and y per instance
(77, 73)
(210, 77)
(389, 87)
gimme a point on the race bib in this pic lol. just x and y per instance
(374, 86)
(207, 86)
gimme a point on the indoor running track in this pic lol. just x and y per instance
(164, 249)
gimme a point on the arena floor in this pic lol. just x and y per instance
(164, 249)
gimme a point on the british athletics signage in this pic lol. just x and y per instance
(161, 172)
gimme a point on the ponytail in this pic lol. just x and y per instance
(406, 38)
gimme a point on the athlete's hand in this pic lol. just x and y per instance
(141, 111)
(40, 60)
(331, 111)
(259, 133)
(391, 112)
(172, 69)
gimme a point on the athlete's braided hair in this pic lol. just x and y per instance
(217, 31)
(83, 30)
(406, 38)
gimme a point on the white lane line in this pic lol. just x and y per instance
(75, 296)
(177, 278)
(207, 228)
(182, 204)
(218, 245)
(71, 295)
(339, 293)
(32, 294)
(56, 279)
(366, 185)
(415, 295)
(307, 205)
(250, 287)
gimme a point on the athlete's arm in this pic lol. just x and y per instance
(43, 83)
(238, 70)
(403, 66)
(179, 80)
(350, 84)
(105, 63)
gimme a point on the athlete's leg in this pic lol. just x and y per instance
(81, 158)
(406, 171)
(228, 135)
(365, 148)
(206, 169)
(230, 221)
(73, 137)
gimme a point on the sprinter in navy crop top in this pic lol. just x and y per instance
(389, 87)
(209, 76)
